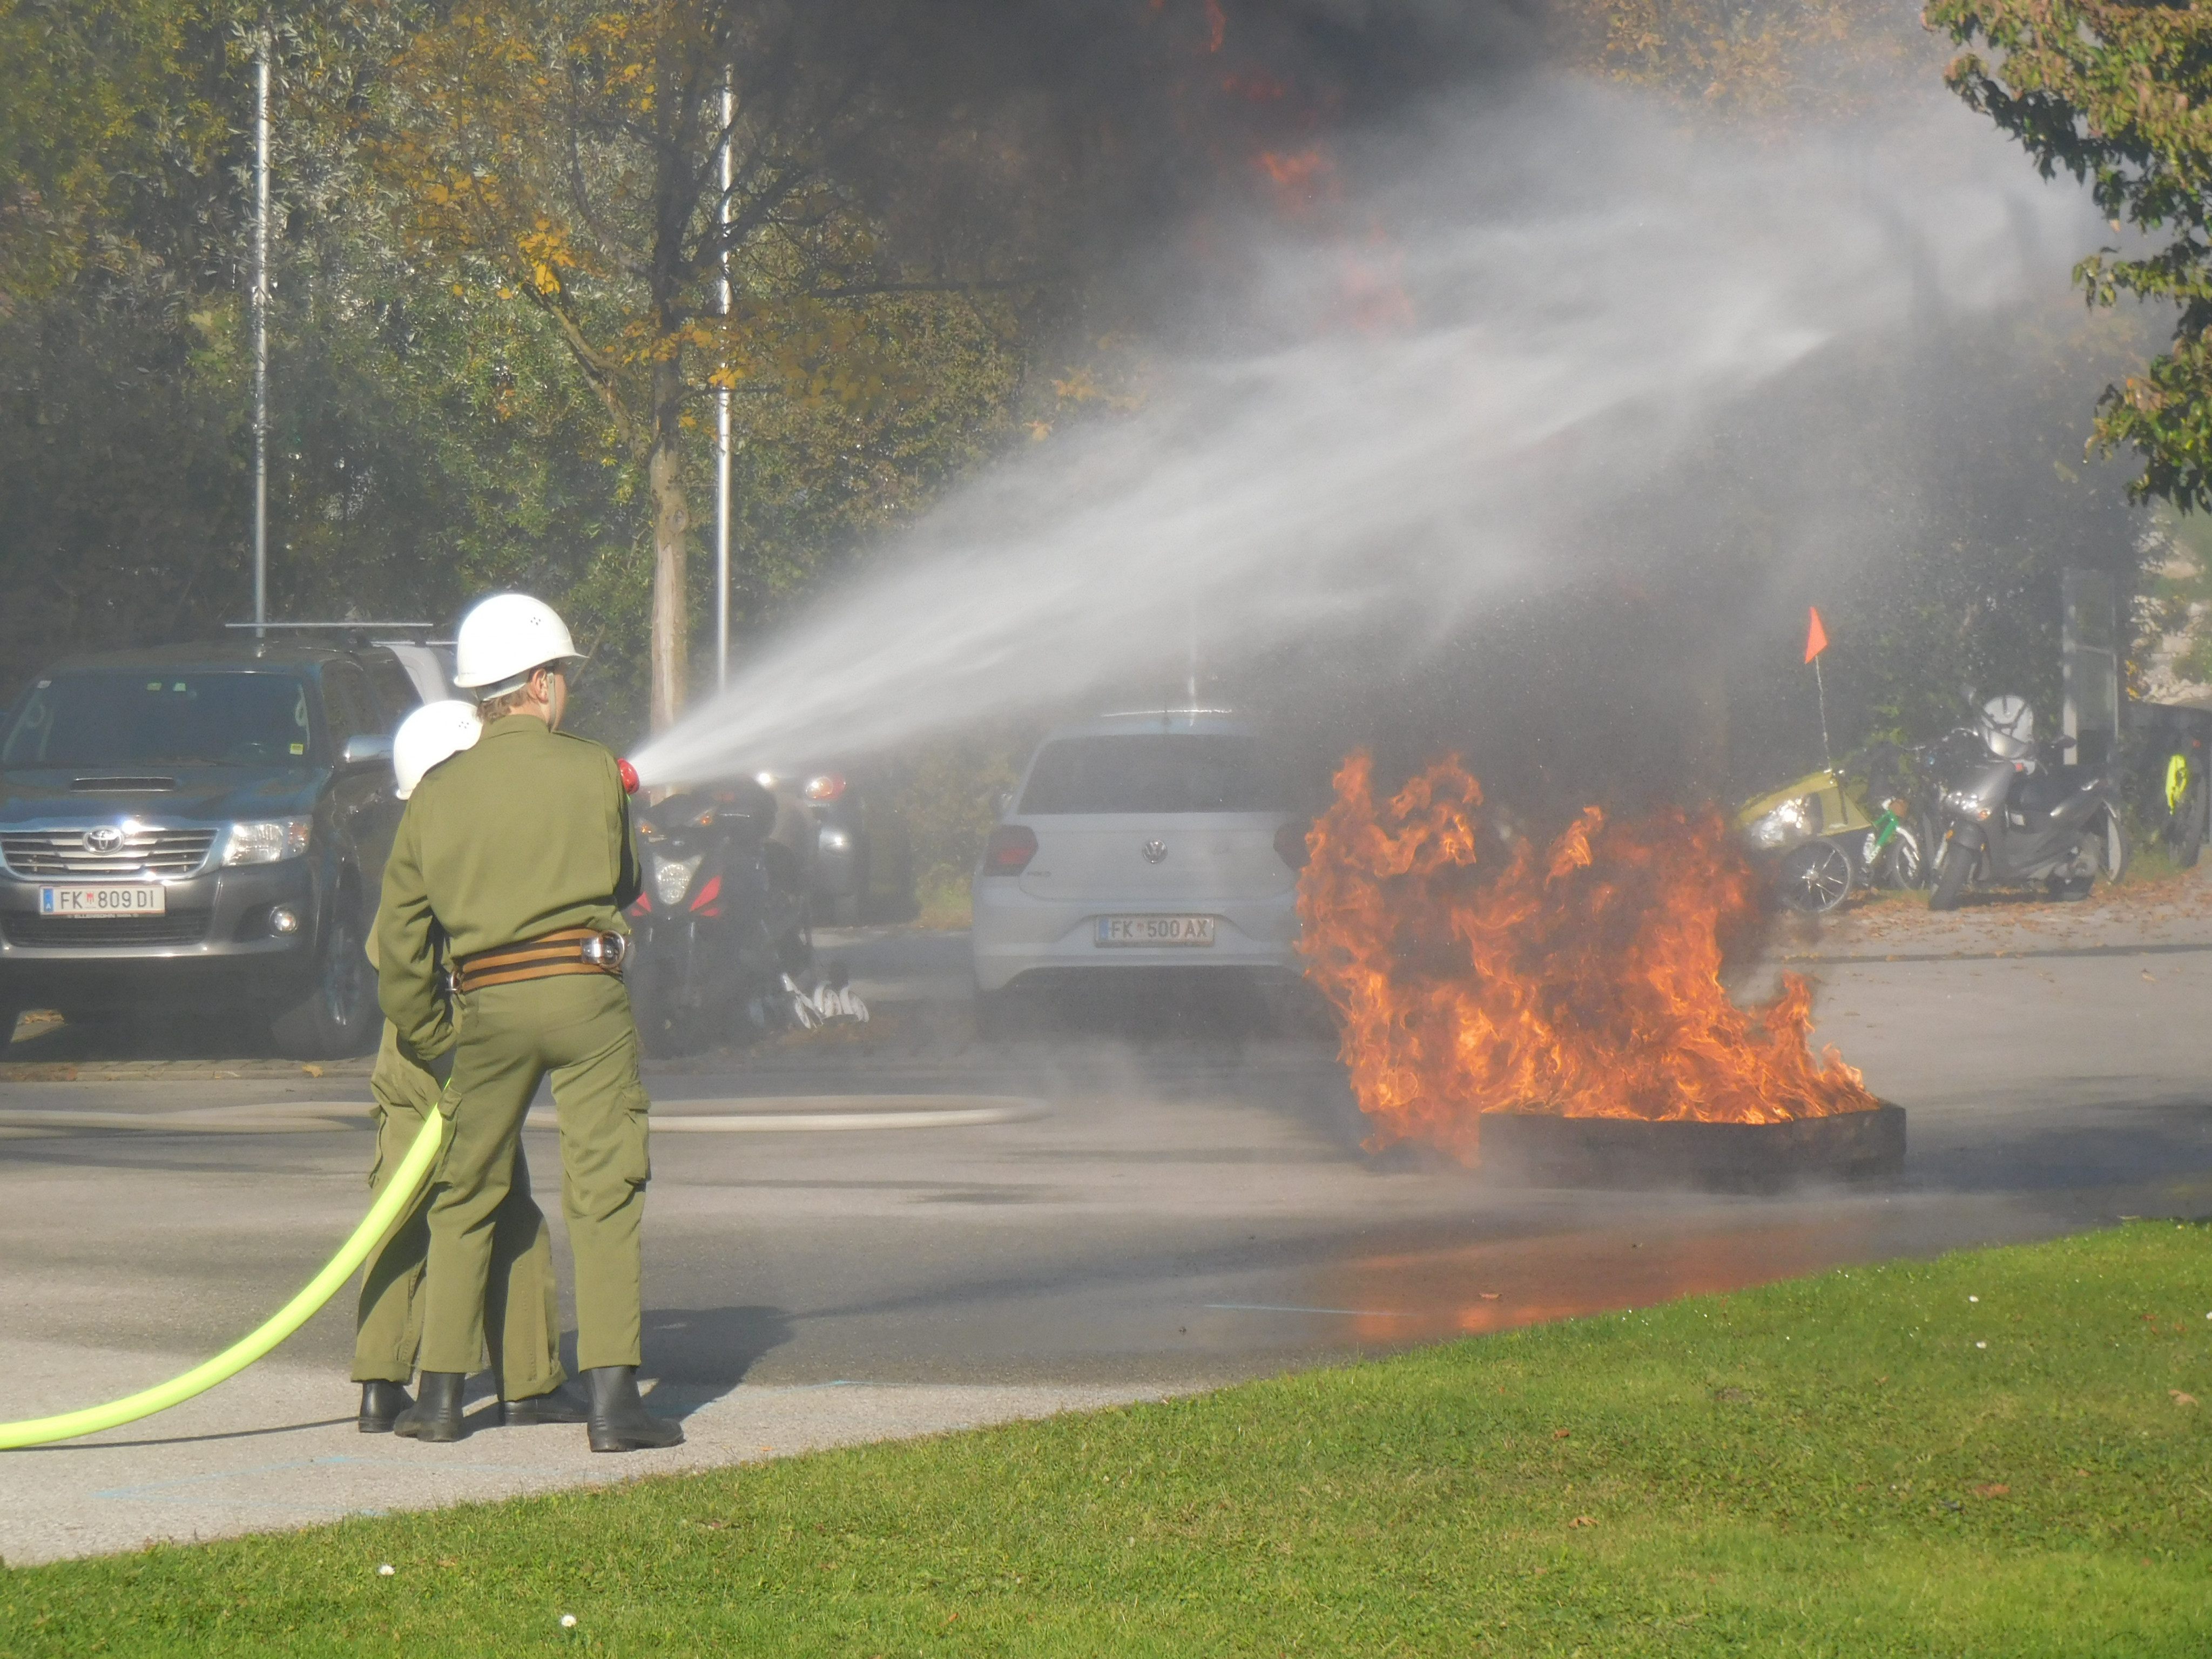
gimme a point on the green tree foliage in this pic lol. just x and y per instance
(565, 155)
(2118, 95)
(432, 437)
(121, 395)
(112, 107)
(1773, 64)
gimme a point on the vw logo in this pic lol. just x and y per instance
(106, 839)
(1155, 851)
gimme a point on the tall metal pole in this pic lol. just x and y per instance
(1820, 688)
(261, 337)
(1191, 618)
(722, 424)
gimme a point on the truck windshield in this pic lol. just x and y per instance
(117, 718)
(1152, 772)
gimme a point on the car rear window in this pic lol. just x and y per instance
(1153, 772)
(116, 718)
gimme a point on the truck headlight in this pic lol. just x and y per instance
(1781, 826)
(671, 878)
(266, 841)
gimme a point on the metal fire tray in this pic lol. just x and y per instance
(1542, 1149)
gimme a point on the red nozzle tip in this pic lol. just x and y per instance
(628, 774)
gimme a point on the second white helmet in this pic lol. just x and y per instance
(504, 638)
(436, 732)
(2009, 727)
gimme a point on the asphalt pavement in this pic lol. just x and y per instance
(897, 1228)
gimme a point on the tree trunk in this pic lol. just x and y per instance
(671, 518)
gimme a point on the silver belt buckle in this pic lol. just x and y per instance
(606, 951)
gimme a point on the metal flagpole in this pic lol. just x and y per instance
(1191, 677)
(1821, 687)
(261, 336)
(722, 424)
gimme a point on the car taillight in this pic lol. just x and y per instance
(1291, 845)
(1009, 850)
(827, 786)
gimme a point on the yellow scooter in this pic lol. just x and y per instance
(1824, 842)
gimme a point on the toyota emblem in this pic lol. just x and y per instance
(106, 839)
(1155, 851)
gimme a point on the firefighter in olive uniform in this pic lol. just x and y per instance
(518, 852)
(522, 1309)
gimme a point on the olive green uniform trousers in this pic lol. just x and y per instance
(522, 1309)
(578, 1028)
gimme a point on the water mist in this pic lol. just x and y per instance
(1407, 398)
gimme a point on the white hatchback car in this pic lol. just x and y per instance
(1141, 841)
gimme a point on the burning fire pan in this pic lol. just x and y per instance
(1541, 1149)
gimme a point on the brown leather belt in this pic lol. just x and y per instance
(571, 951)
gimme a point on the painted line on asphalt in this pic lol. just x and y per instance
(829, 1113)
(2027, 955)
(832, 1113)
(207, 1120)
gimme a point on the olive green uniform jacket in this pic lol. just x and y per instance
(524, 834)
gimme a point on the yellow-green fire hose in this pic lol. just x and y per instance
(398, 1193)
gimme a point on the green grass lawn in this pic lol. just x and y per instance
(1833, 1466)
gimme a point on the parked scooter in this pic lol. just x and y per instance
(722, 921)
(2011, 817)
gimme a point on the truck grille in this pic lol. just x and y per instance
(47, 932)
(68, 853)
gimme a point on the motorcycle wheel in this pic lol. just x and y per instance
(2113, 850)
(1814, 877)
(1903, 864)
(2185, 818)
(1955, 868)
(661, 1026)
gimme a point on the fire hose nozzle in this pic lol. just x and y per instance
(628, 774)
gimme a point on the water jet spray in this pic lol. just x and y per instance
(1587, 291)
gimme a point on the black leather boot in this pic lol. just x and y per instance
(437, 1414)
(381, 1403)
(619, 1421)
(561, 1405)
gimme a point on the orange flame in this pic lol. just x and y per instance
(1475, 973)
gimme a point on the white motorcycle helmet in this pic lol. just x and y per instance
(504, 639)
(436, 732)
(2008, 728)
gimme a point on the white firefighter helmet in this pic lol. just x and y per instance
(2008, 728)
(435, 732)
(503, 639)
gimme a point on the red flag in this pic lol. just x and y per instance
(1816, 637)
